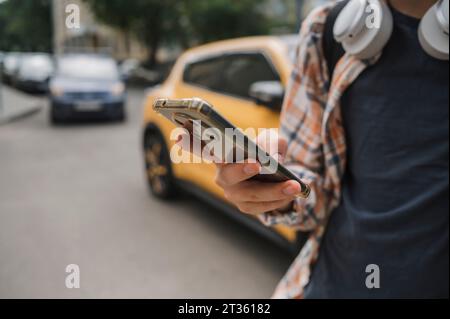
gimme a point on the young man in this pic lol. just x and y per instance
(373, 143)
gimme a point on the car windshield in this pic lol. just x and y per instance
(88, 68)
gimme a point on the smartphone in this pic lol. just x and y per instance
(184, 112)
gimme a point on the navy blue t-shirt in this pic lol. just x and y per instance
(395, 200)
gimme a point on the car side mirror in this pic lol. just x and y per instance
(268, 93)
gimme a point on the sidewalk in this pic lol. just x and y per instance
(15, 105)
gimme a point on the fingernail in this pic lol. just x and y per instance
(251, 169)
(290, 190)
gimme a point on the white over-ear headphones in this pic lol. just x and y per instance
(364, 27)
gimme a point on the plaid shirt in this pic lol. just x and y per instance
(311, 123)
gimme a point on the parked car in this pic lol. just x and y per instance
(241, 79)
(135, 73)
(86, 86)
(11, 65)
(34, 73)
(127, 68)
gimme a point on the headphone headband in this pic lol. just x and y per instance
(365, 41)
(440, 15)
(357, 11)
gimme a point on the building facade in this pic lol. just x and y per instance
(89, 35)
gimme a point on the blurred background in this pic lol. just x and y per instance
(72, 187)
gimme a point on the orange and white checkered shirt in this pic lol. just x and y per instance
(311, 123)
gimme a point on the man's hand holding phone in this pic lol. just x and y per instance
(255, 197)
(252, 188)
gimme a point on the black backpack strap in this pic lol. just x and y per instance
(333, 50)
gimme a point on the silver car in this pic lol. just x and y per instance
(34, 72)
(11, 65)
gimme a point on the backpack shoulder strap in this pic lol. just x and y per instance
(333, 50)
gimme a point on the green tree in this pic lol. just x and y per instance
(150, 21)
(25, 25)
(212, 20)
(184, 22)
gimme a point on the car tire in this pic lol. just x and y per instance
(54, 119)
(158, 166)
(122, 117)
(119, 115)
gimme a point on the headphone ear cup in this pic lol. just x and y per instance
(377, 27)
(432, 36)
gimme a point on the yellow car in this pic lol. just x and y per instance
(244, 79)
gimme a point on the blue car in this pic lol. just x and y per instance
(86, 86)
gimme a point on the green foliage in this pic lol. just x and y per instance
(182, 21)
(25, 25)
(150, 21)
(221, 19)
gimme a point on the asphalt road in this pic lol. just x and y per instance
(75, 194)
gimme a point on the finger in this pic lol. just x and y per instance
(186, 142)
(263, 192)
(270, 141)
(259, 208)
(232, 174)
(282, 149)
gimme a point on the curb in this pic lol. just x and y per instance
(20, 115)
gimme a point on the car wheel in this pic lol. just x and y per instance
(119, 115)
(158, 166)
(122, 117)
(54, 119)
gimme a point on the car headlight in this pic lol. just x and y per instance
(56, 91)
(118, 89)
